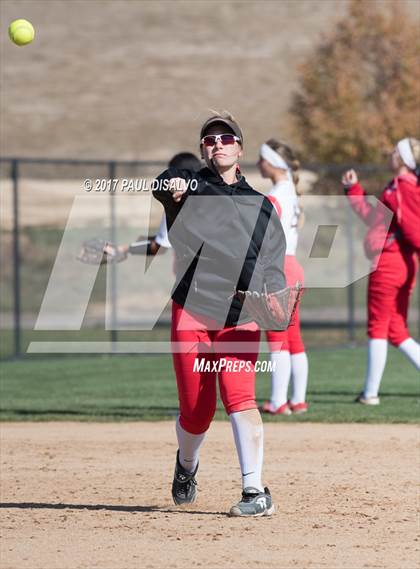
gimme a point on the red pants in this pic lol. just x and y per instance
(290, 339)
(197, 389)
(389, 289)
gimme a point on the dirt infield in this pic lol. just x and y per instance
(83, 495)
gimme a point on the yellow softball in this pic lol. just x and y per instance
(21, 32)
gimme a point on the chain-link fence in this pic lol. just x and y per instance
(46, 204)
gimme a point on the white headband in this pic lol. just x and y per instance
(273, 158)
(406, 153)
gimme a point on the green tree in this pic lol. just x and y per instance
(359, 91)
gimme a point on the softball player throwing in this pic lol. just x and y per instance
(278, 162)
(196, 312)
(394, 256)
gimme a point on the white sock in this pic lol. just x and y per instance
(299, 377)
(376, 360)
(280, 377)
(189, 447)
(411, 349)
(249, 440)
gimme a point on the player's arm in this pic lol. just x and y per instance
(276, 204)
(142, 246)
(357, 196)
(172, 190)
(149, 246)
(274, 251)
(273, 309)
(404, 202)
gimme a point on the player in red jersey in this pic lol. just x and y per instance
(394, 254)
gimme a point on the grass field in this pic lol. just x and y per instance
(121, 388)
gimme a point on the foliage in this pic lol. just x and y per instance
(360, 90)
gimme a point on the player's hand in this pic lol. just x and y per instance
(116, 252)
(113, 250)
(349, 178)
(177, 187)
(275, 308)
(123, 249)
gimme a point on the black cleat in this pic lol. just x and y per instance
(184, 486)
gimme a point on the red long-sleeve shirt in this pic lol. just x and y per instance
(381, 235)
(404, 201)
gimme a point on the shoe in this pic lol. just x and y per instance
(268, 407)
(298, 408)
(253, 504)
(184, 486)
(367, 400)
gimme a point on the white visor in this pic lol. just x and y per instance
(273, 158)
(406, 153)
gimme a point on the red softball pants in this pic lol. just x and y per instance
(289, 340)
(192, 342)
(389, 290)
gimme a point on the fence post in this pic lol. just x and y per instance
(350, 274)
(111, 266)
(16, 259)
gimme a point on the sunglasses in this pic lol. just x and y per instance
(225, 139)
